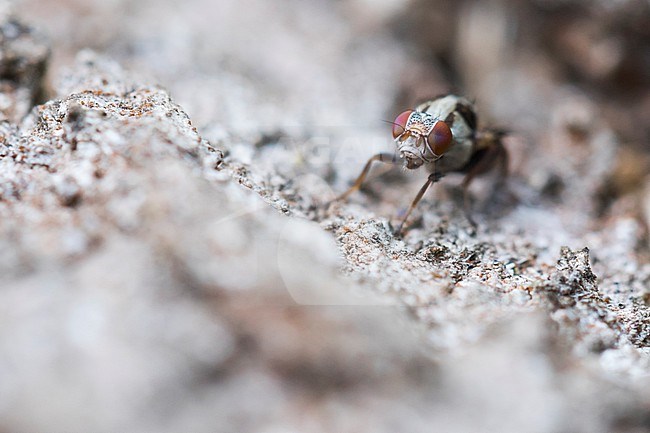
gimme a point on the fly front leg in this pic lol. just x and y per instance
(433, 178)
(387, 158)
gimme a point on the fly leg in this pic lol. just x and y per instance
(386, 158)
(433, 178)
(492, 153)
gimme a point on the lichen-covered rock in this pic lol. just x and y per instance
(132, 285)
(164, 277)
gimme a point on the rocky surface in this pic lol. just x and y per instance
(176, 267)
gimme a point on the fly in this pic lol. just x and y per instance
(441, 135)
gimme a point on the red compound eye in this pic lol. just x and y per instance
(440, 138)
(399, 126)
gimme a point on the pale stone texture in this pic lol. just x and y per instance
(165, 271)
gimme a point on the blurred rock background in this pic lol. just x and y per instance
(168, 263)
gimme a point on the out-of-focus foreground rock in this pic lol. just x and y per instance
(174, 267)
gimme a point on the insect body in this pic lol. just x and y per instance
(442, 136)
